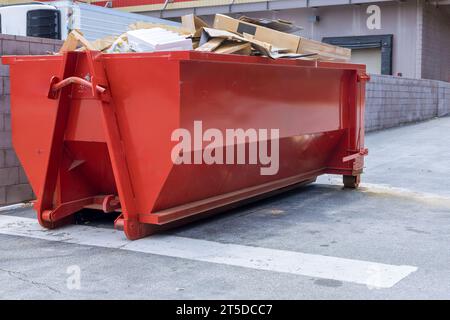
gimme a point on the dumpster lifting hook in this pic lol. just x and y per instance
(363, 152)
(56, 85)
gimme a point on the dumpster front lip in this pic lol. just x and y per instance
(195, 55)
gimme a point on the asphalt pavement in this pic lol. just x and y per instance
(317, 242)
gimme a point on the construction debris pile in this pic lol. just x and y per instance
(243, 36)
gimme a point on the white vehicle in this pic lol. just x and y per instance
(55, 20)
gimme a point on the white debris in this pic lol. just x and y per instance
(157, 39)
(120, 45)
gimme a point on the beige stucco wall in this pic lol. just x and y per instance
(421, 34)
(399, 19)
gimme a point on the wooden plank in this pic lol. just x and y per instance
(73, 39)
(211, 45)
(70, 44)
(228, 48)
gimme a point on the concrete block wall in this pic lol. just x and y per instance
(14, 186)
(393, 101)
(444, 99)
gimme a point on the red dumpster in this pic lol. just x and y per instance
(146, 134)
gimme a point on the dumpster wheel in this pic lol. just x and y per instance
(351, 182)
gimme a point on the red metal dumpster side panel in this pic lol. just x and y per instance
(251, 96)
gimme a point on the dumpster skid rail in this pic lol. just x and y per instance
(94, 130)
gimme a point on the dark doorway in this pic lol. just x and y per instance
(368, 47)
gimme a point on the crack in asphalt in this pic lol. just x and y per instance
(23, 277)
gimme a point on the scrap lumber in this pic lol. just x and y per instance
(234, 48)
(75, 38)
(211, 45)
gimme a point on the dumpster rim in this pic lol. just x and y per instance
(202, 56)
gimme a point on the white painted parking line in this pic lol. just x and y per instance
(13, 207)
(372, 274)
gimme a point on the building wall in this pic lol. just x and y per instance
(14, 185)
(436, 43)
(393, 101)
(397, 18)
(421, 35)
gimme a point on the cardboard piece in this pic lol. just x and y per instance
(275, 38)
(279, 25)
(104, 43)
(293, 43)
(209, 33)
(194, 24)
(264, 48)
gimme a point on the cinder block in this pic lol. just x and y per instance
(5, 140)
(11, 159)
(18, 193)
(13, 47)
(2, 195)
(2, 158)
(403, 88)
(29, 39)
(22, 176)
(9, 176)
(57, 47)
(377, 94)
(5, 103)
(6, 85)
(4, 70)
(6, 121)
(7, 37)
(40, 48)
(52, 41)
